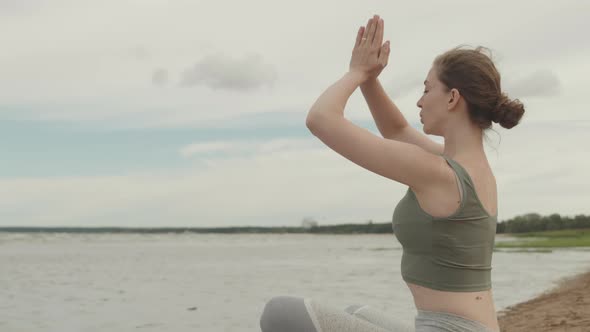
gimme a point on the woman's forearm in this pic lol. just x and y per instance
(387, 116)
(332, 101)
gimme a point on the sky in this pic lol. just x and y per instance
(192, 113)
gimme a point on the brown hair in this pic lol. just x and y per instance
(474, 74)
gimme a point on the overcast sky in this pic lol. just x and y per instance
(192, 113)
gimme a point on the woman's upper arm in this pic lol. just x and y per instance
(411, 135)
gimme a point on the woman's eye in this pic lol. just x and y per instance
(425, 91)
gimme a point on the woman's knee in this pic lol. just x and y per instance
(352, 309)
(286, 314)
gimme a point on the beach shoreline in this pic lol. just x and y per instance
(565, 307)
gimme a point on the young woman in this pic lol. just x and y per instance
(446, 222)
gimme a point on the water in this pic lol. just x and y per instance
(214, 282)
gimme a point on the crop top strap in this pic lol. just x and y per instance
(469, 192)
(461, 172)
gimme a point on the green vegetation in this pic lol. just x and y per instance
(540, 250)
(550, 239)
(534, 222)
(564, 233)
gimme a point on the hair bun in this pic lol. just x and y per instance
(507, 112)
(497, 113)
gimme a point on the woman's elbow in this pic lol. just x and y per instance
(311, 121)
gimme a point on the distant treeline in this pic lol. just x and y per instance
(531, 222)
(534, 222)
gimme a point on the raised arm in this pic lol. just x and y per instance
(387, 116)
(391, 122)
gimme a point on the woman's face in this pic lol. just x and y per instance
(433, 103)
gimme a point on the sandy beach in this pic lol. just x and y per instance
(565, 307)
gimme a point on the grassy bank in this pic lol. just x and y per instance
(549, 239)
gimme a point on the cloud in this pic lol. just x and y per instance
(288, 144)
(224, 73)
(283, 180)
(530, 36)
(249, 147)
(207, 147)
(87, 73)
(160, 77)
(10, 7)
(402, 85)
(541, 83)
(139, 52)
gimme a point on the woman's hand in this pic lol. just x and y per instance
(369, 57)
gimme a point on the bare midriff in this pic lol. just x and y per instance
(477, 306)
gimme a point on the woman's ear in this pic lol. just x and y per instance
(453, 98)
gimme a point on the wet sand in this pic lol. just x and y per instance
(563, 308)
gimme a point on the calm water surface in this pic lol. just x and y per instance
(214, 282)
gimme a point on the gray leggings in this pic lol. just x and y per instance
(297, 314)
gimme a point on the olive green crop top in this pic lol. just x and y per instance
(451, 253)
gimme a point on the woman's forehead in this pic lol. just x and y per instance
(430, 77)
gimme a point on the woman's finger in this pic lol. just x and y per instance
(367, 30)
(384, 54)
(372, 29)
(359, 35)
(379, 34)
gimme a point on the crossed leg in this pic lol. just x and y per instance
(297, 314)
